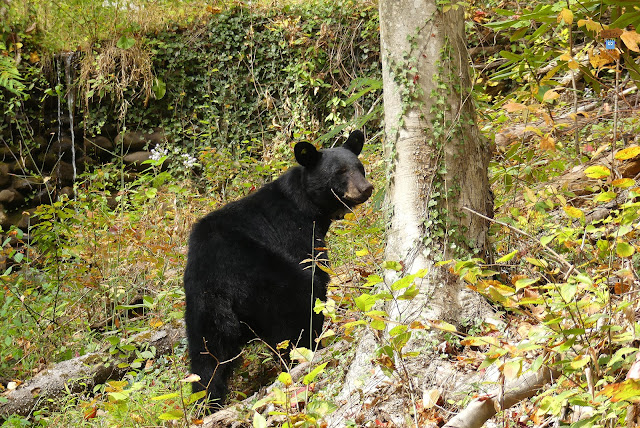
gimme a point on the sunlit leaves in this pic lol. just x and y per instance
(566, 16)
(573, 212)
(629, 390)
(631, 39)
(628, 153)
(597, 171)
(624, 249)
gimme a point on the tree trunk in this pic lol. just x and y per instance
(438, 165)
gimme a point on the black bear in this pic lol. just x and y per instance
(248, 268)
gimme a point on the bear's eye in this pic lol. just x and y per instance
(343, 170)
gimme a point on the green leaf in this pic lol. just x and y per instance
(301, 354)
(310, 377)
(568, 291)
(507, 257)
(392, 265)
(624, 249)
(195, 397)
(605, 196)
(619, 355)
(525, 282)
(597, 171)
(171, 415)
(321, 407)
(365, 302)
(159, 88)
(125, 42)
(259, 421)
(166, 396)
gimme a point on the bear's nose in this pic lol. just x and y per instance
(367, 191)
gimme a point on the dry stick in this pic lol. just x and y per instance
(557, 256)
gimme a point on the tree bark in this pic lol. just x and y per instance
(437, 165)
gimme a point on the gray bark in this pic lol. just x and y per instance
(437, 165)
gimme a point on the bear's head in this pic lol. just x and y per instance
(334, 178)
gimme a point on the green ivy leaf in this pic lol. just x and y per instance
(159, 88)
(125, 42)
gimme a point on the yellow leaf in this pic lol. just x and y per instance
(591, 25)
(533, 129)
(597, 171)
(547, 143)
(628, 153)
(565, 57)
(623, 183)
(631, 40)
(511, 107)
(512, 369)
(573, 65)
(285, 378)
(579, 362)
(442, 325)
(624, 249)
(530, 195)
(550, 96)
(573, 212)
(566, 15)
(430, 398)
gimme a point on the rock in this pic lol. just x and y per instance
(66, 191)
(27, 185)
(134, 160)
(63, 149)
(47, 160)
(11, 198)
(133, 141)
(26, 219)
(44, 196)
(5, 177)
(3, 216)
(6, 155)
(63, 174)
(99, 147)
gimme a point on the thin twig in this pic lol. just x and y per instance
(557, 256)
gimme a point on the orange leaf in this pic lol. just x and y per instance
(631, 40)
(513, 107)
(547, 143)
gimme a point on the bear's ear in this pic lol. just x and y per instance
(355, 142)
(306, 154)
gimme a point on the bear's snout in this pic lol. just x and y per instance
(358, 190)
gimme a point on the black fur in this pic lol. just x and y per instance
(244, 263)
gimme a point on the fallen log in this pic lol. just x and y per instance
(80, 374)
(484, 407)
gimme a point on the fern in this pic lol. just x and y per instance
(10, 78)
